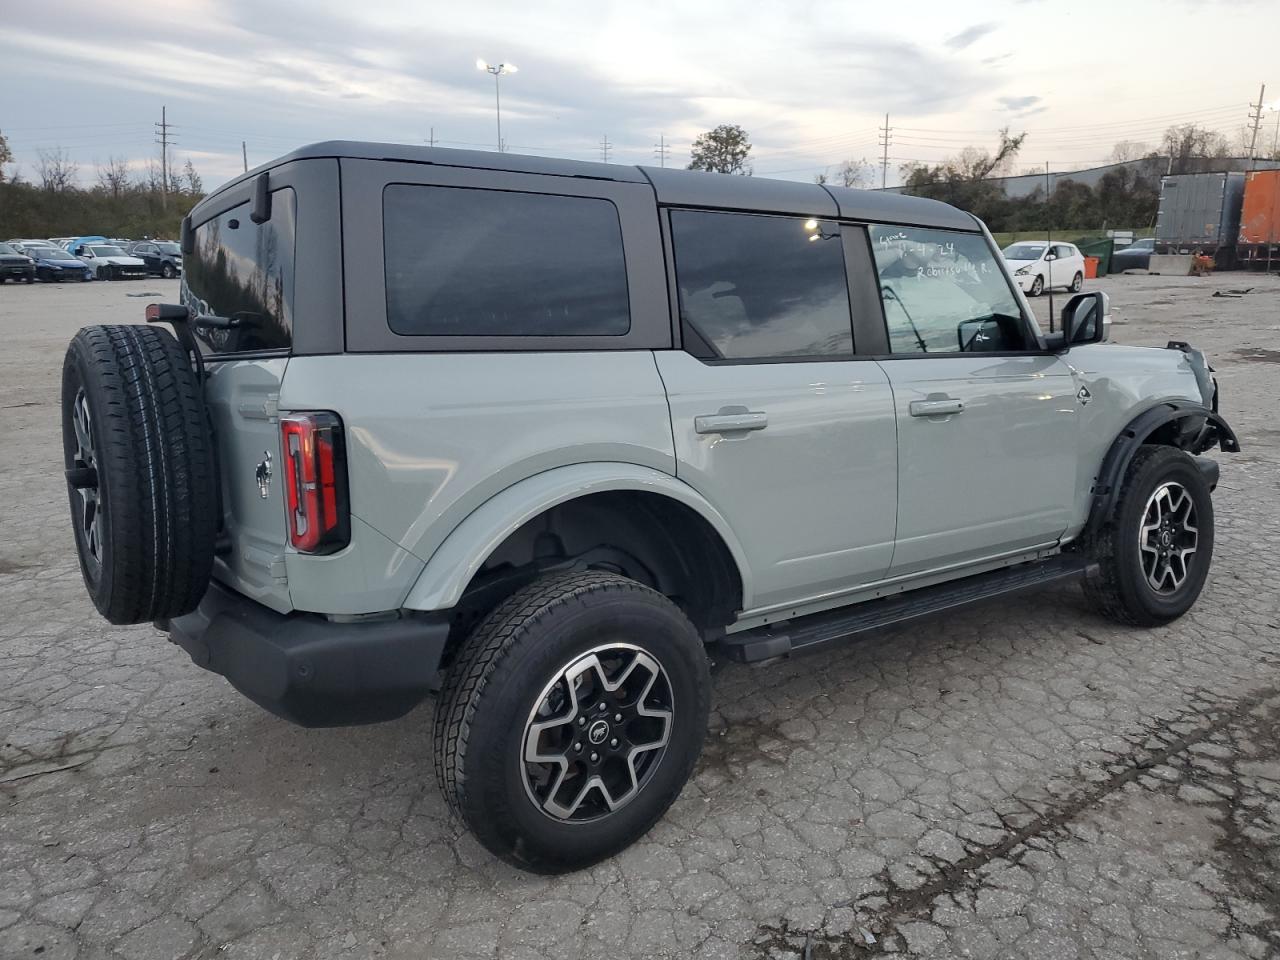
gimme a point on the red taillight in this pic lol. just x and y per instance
(315, 481)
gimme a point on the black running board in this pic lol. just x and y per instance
(804, 633)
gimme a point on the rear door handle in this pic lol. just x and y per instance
(730, 422)
(935, 408)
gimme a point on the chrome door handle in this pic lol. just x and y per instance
(730, 422)
(935, 408)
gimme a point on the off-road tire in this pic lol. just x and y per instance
(1117, 585)
(1037, 286)
(155, 482)
(496, 681)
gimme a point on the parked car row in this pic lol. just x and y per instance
(88, 258)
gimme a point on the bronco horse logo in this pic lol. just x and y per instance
(263, 475)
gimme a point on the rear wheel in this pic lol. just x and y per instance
(571, 720)
(1037, 286)
(1154, 556)
(140, 472)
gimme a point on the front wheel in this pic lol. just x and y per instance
(1077, 282)
(571, 720)
(168, 272)
(1153, 556)
(1037, 286)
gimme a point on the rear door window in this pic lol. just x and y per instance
(944, 292)
(473, 262)
(758, 287)
(243, 271)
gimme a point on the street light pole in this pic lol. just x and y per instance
(498, 72)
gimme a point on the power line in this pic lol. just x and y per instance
(662, 150)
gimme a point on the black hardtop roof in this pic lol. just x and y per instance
(686, 188)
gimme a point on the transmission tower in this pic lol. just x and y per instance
(1256, 117)
(166, 140)
(886, 137)
(662, 150)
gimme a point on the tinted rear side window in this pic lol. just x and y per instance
(244, 271)
(467, 262)
(761, 287)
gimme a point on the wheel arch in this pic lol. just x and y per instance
(454, 565)
(1186, 425)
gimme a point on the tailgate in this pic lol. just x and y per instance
(241, 396)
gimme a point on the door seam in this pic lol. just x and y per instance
(897, 466)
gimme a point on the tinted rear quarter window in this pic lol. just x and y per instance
(761, 287)
(473, 262)
(243, 270)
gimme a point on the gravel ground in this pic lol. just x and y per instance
(1023, 779)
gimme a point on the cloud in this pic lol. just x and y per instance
(997, 59)
(1017, 104)
(970, 35)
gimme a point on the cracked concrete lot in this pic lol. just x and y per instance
(1023, 779)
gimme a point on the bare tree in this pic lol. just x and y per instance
(114, 177)
(56, 170)
(6, 155)
(1127, 150)
(852, 173)
(855, 173)
(152, 180)
(191, 179)
(1188, 143)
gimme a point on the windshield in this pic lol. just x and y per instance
(100, 250)
(5, 248)
(169, 247)
(1023, 251)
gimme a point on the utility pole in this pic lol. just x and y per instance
(162, 130)
(661, 150)
(886, 137)
(431, 140)
(1256, 117)
(605, 147)
(244, 155)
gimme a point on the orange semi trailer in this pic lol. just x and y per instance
(1259, 242)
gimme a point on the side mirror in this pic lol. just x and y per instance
(1084, 319)
(1049, 256)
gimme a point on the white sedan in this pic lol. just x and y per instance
(109, 262)
(1038, 265)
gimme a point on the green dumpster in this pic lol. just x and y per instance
(1102, 249)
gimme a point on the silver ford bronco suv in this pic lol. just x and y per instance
(534, 434)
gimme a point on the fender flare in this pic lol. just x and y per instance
(1199, 428)
(450, 568)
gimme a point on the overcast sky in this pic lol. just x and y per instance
(810, 81)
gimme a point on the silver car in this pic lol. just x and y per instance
(536, 434)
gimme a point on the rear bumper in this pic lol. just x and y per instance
(309, 670)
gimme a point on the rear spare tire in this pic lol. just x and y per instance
(139, 461)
